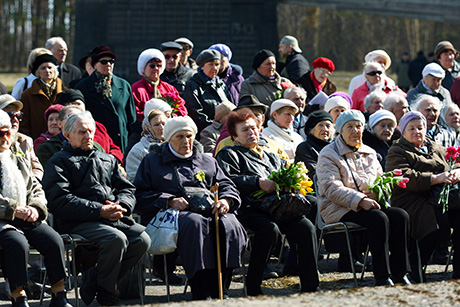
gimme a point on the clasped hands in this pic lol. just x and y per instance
(446, 177)
(112, 211)
(181, 203)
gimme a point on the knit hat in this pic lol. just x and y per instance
(177, 124)
(433, 69)
(442, 47)
(281, 103)
(381, 115)
(223, 49)
(184, 40)
(371, 56)
(55, 108)
(316, 117)
(43, 58)
(325, 63)
(69, 96)
(170, 46)
(347, 116)
(261, 56)
(5, 121)
(223, 109)
(100, 52)
(146, 56)
(291, 41)
(343, 95)
(7, 99)
(207, 55)
(409, 117)
(250, 101)
(336, 101)
(156, 104)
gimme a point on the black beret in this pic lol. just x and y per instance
(70, 96)
(44, 58)
(261, 56)
(316, 117)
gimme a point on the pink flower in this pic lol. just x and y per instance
(286, 85)
(405, 180)
(397, 172)
(402, 184)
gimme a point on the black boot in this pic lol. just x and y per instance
(20, 302)
(89, 286)
(59, 300)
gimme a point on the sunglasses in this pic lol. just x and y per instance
(105, 62)
(13, 115)
(167, 56)
(153, 65)
(5, 133)
(375, 72)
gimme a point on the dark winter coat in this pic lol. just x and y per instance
(178, 77)
(308, 153)
(68, 73)
(202, 97)
(77, 184)
(295, 67)
(116, 113)
(307, 83)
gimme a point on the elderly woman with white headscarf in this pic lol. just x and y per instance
(161, 181)
(150, 65)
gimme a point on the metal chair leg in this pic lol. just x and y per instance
(42, 293)
(365, 262)
(165, 265)
(347, 236)
(419, 262)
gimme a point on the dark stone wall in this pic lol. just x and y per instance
(130, 26)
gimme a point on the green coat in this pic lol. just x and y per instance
(116, 113)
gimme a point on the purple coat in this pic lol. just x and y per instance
(232, 78)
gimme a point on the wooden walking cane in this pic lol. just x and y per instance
(215, 190)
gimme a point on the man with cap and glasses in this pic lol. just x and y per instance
(187, 50)
(175, 73)
(23, 145)
(445, 53)
(431, 84)
(295, 65)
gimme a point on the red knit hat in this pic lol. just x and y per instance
(324, 63)
(55, 108)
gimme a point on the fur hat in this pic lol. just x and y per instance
(146, 56)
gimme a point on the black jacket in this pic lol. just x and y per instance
(308, 152)
(178, 77)
(242, 166)
(77, 183)
(306, 82)
(295, 67)
(202, 96)
(380, 146)
(68, 73)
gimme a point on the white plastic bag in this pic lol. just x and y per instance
(163, 230)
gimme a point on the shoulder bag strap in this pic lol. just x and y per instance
(349, 167)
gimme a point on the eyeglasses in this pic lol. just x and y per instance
(325, 72)
(15, 115)
(4, 133)
(153, 65)
(168, 56)
(105, 62)
(375, 72)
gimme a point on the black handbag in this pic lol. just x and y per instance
(200, 200)
(290, 207)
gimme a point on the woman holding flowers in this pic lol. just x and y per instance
(345, 169)
(150, 65)
(162, 177)
(250, 168)
(424, 163)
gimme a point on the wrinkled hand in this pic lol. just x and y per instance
(222, 205)
(455, 175)
(444, 177)
(178, 203)
(112, 211)
(368, 204)
(29, 214)
(267, 185)
(370, 194)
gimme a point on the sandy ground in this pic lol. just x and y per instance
(338, 289)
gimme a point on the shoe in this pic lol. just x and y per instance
(310, 290)
(384, 282)
(88, 289)
(256, 291)
(402, 280)
(60, 300)
(106, 298)
(269, 273)
(20, 302)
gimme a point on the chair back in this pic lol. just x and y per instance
(319, 222)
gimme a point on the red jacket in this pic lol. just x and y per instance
(143, 92)
(361, 92)
(102, 137)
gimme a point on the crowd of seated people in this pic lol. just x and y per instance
(92, 149)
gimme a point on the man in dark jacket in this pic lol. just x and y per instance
(175, 73)
(67, 72)
(296, 65)
(89, 196)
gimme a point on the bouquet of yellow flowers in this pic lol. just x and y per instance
(291, 177)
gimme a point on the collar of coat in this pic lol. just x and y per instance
(256, 78)
(167, 155)
(344, 149)
(408, 146)
(77, 151)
